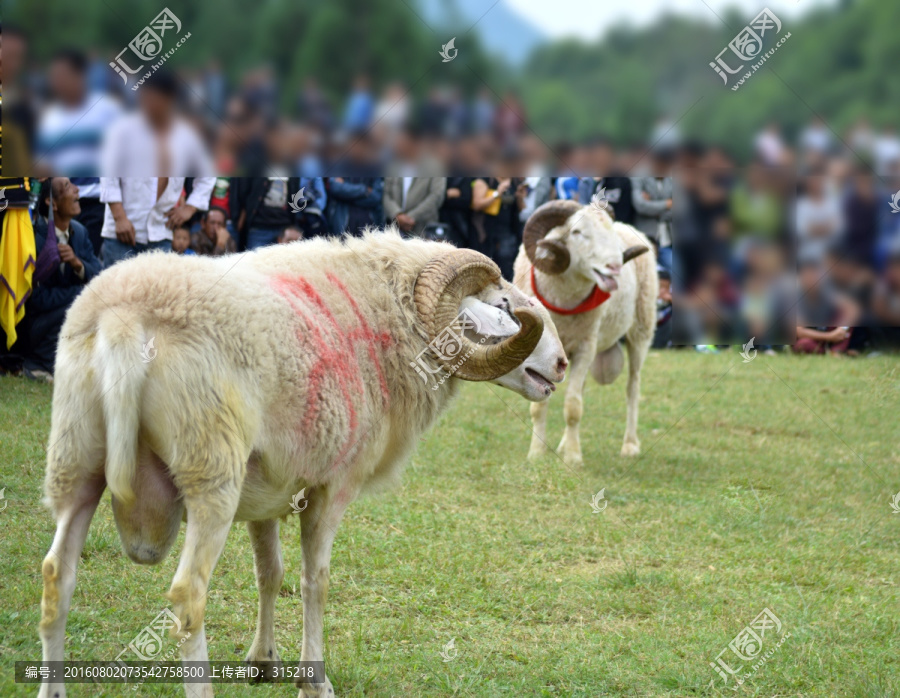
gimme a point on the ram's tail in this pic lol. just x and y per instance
(122, 361)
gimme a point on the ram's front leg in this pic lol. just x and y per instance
(570, 446)
(318, 527)
(538, 447)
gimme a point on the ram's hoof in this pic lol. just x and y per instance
(630, 449)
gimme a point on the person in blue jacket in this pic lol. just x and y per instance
(72, 264)
(354, 203)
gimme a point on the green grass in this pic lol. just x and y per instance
(743, 499)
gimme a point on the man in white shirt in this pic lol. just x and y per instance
(141, 212)
(139, 153)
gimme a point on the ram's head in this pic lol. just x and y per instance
(564, 237)
(481, 328)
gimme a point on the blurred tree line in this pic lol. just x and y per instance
(836, 62)
(330, 41)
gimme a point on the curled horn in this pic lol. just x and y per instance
(553, 257)
(634, 251)
(441, 287)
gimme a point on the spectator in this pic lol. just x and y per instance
(354, 203)
(413, 202)
(483, 111)
(535, 192)
(51, 296)
(826, 315)
(70, 134)
(290, 234)
(18, 112)
(360, 106)
(616, 187)
(886, 151)
(213, 238)
(141, 212)
(261, 208)
(816, 137)
(181, 240)
(861, 211)
(497, 202)
(456, 211)
(155, 141)
(663, 336)
(886, 304)
(313, 106)
(819, 217)
(311, 220)
(652, 200)
(770, 147)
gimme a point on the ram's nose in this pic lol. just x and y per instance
(561, 365)
(613, 269)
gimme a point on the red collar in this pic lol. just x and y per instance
(596, 298)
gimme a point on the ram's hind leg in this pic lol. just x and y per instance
(72, 521)
(269, 567)
(637, 352)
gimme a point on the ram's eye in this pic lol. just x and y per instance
(576, 232)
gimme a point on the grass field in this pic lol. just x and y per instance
(761, 485)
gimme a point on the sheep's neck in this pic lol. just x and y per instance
(595, 298)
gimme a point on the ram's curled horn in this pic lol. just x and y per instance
(634, 251)
(546, 255)
(440, 288)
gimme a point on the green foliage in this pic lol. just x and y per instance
(836, 63)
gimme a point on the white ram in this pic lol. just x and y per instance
(574, 258)
(301, 367)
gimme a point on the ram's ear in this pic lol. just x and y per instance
(487, 320)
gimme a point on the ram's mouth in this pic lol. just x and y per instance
(544, 383)
(606, 282)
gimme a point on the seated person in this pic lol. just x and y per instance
(827, 315)
(213, 237)
(290, 234)
(73, 266)
(181, 240)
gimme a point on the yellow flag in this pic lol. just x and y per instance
(17, 256)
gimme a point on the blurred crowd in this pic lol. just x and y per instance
(801, 246)
(802, 243)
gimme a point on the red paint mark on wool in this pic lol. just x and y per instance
(334, 350)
